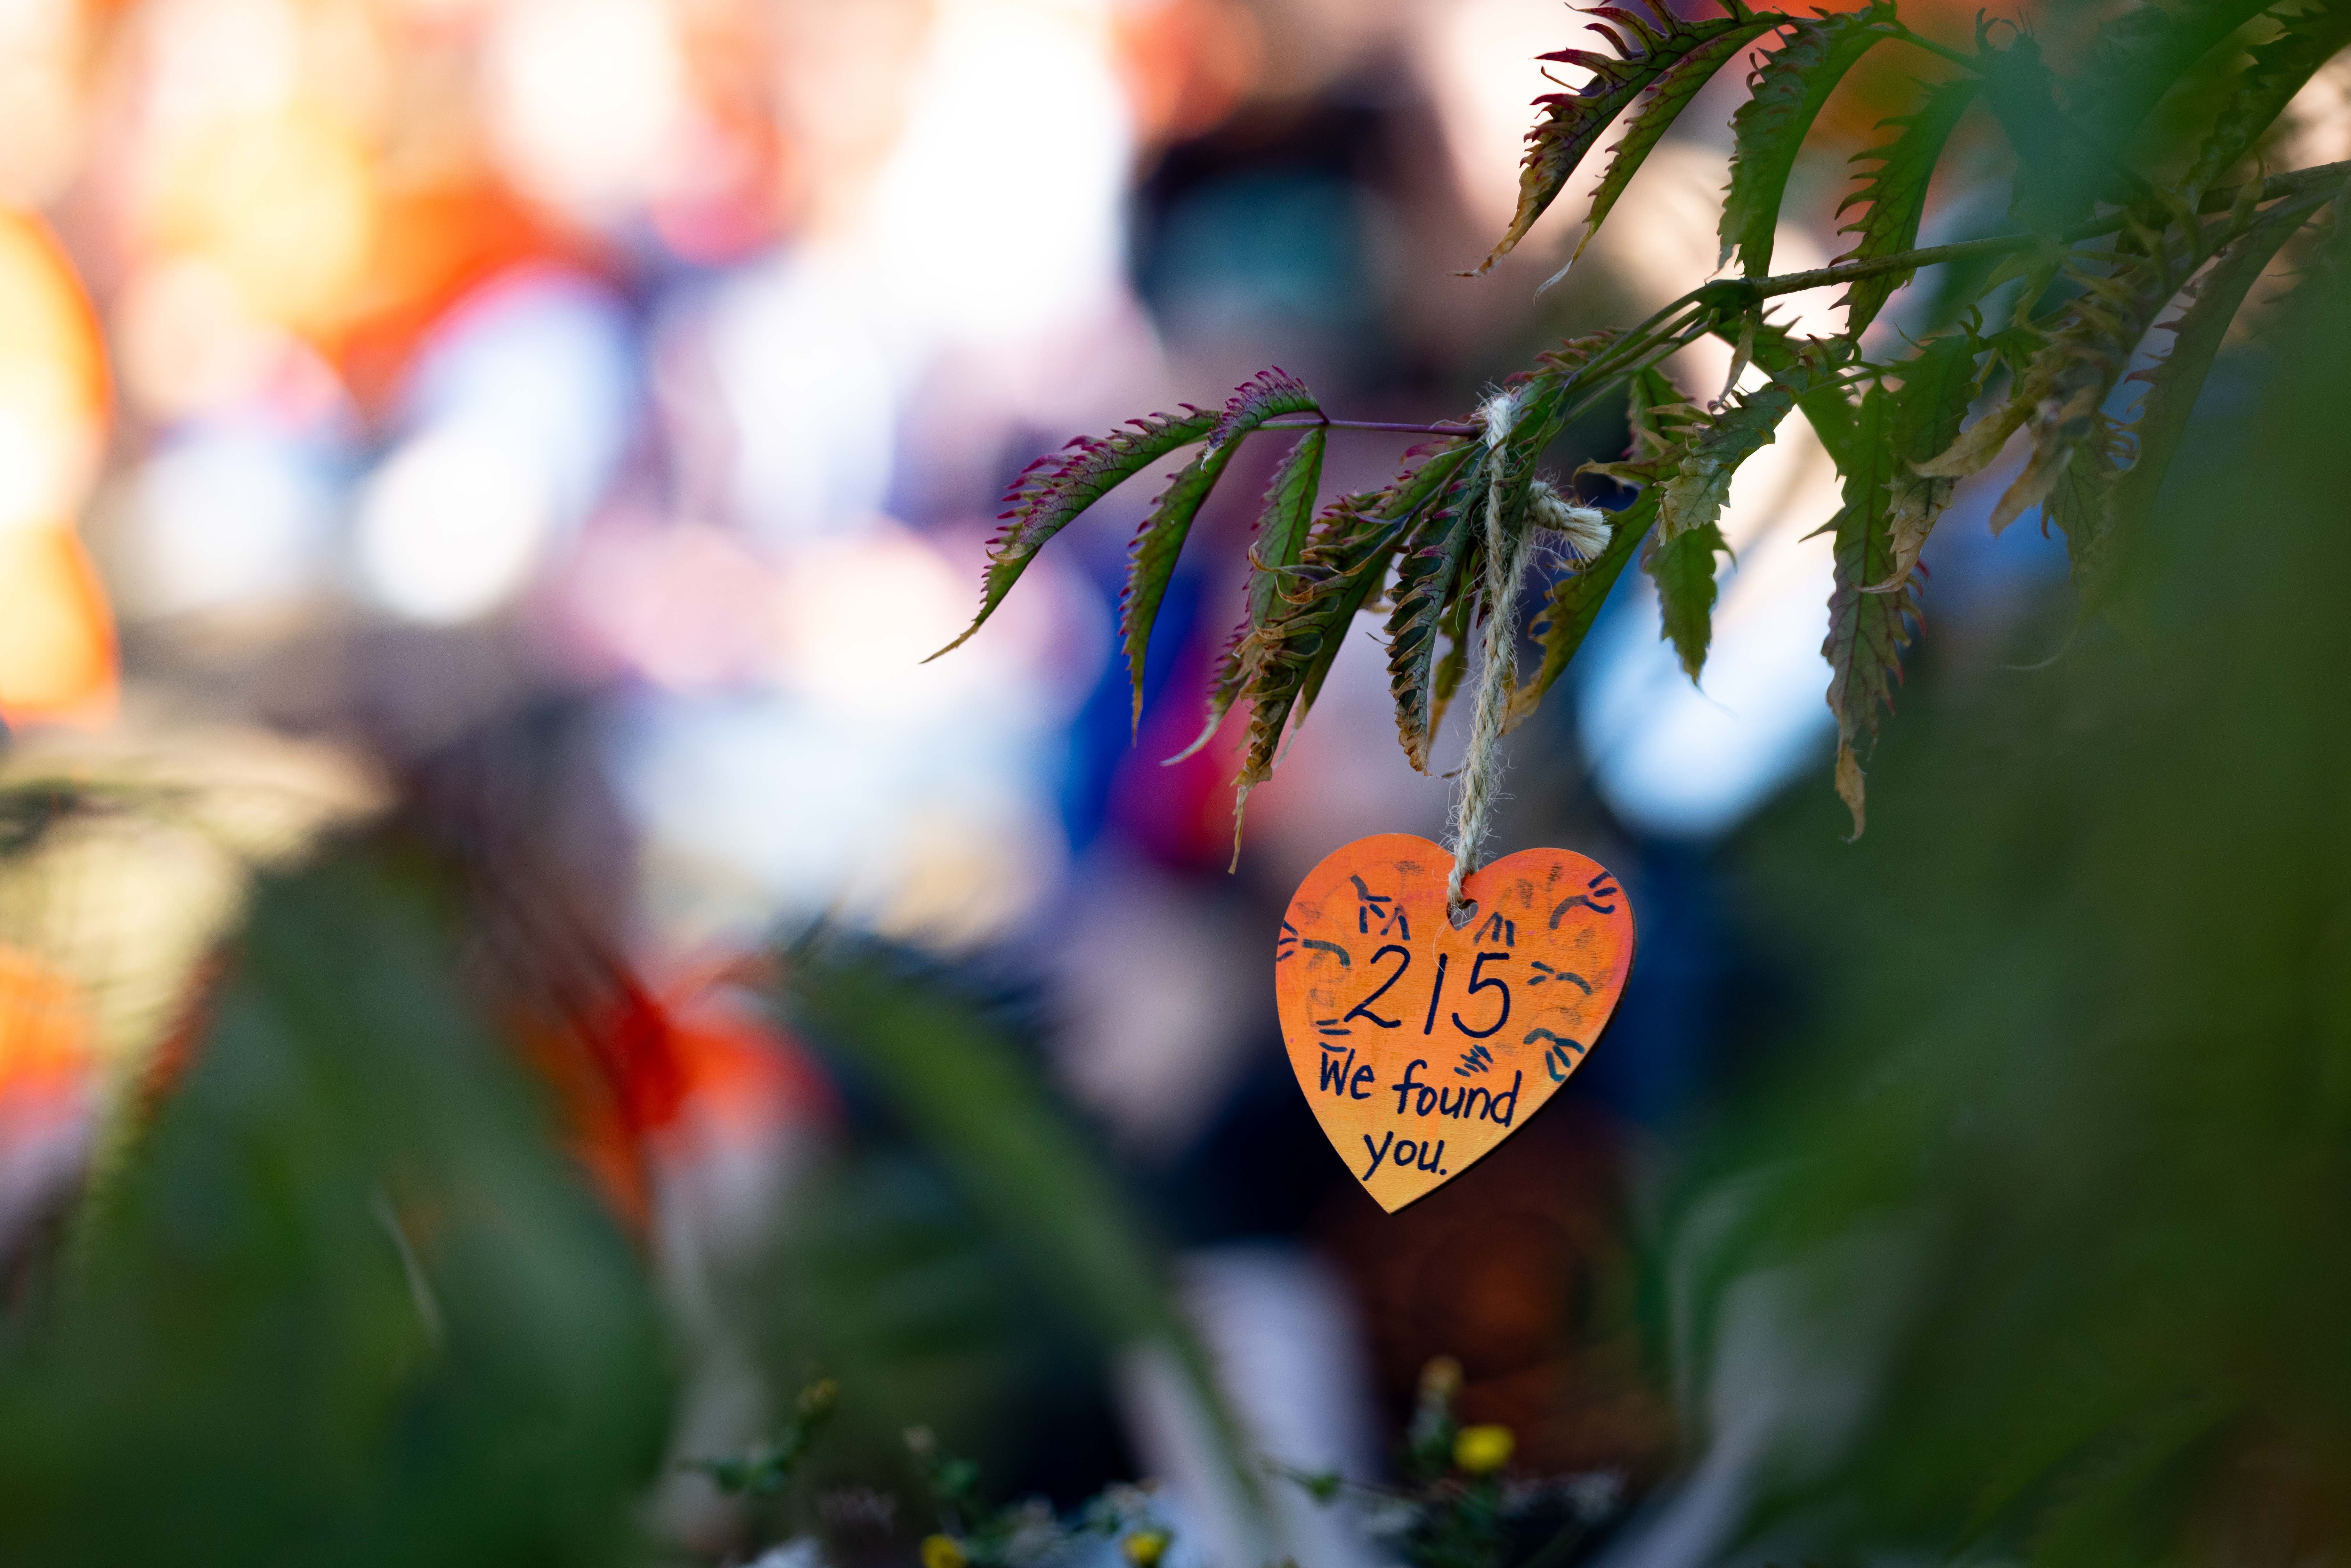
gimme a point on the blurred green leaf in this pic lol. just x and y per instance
(349, 1302)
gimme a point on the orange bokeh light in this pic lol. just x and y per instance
(283, 205)
(58, 661)
(58, 654)
(46, 1047)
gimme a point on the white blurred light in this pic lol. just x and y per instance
(859, 616)
(542, 362)
(757, 807)
(912, 797)
(806, 378)
(186, 342)
(212, 59)
(46, 463)
(687, 606)
(1002, 210)
(41, 48)
(2317, 123)
(1478, 56)
(227, 517)
(452, 525)
(1679, 761)
(588, 99)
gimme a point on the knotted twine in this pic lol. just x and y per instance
(1506, 560)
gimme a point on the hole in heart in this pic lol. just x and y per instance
(1465, 914)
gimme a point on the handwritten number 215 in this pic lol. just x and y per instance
(1478, 981)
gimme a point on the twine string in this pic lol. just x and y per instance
(1506, 560)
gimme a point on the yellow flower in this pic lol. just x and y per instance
(1145, 1547)
(942, 1552)
(1481, 1450)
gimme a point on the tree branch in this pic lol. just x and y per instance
(1403, 429)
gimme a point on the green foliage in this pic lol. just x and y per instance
(1428, 580)
(2116, 213)
(351, 1301)
(2272, 73)
(1054, 491)
(2056, 1156)
(2198, 333)
(1574, 604)
(769, 1467)
(1786, 96)
(1157, 544)
(1867, 631)
(1657, 109)
(1161, 538)
(960, 1089)
(1683, 568)
(1892, 198)
(1573, 122)
(1457, 1504)
(974, 1534)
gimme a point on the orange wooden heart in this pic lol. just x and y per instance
(1421, 1047)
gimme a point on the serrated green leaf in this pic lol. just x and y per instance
(1867, 632)
(1937, 384)
(1770, 127)
(2061, 390)
(1345, 561)
(1426, 579)
(2273, 72)
(1655, 113)
(2053, 183)
(2077, 503)
(2138, 56)
(1151, 559)
(2065, 386)
(1283, 522)
(1572, 121)
(1894, 197)
(2198, 333)
(1683, 569)
(1712, 448)
(1446, 680)
(1054, 491)
(1340, 525)
(1650, 400)
(1339, 613)
(1438, 578)
(1268, 395)
(1809, 367)
(1574, 602)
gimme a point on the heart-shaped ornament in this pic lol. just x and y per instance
(1422, 1046)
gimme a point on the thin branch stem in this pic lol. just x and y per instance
(1876, 266)
(2301, 181)
(1402, 429)
(1965, 62)
(1661, 334)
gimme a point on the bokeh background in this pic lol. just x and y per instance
(512, 965)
